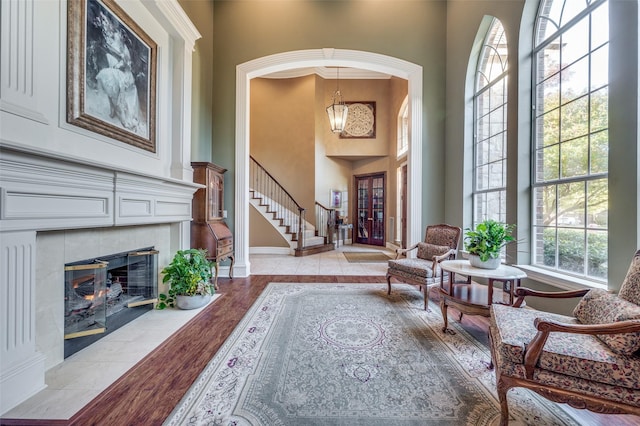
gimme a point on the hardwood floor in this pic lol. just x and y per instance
(148, 392)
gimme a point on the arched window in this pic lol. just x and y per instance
(570, 137)
(403, 128)
(490, 128)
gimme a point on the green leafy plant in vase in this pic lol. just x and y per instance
(189, 277)
(485, 242)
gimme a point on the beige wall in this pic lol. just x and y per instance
(298, 148)
(262, 233)
(282, 132)
(355, 91)
(338, 158)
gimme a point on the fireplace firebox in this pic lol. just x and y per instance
(105, 293)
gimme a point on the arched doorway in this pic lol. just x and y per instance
(329, 58)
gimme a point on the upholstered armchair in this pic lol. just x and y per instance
(589, 361)
(440, 243)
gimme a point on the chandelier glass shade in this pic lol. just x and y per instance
(337, 111)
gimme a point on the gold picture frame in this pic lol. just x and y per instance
(111, 73)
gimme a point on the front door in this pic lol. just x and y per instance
(370, 209)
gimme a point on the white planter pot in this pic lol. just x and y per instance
(475, 261)
(192, 302)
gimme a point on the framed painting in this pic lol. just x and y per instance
(336, 199)
(111, 73)
(361, 121)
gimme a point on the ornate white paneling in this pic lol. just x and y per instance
(17, 55)
(128, 207)
(17, 294)
(173, 209)
(21, 367)
(58, 177)
(144, 200)
(184, 35)
(40, 193)
(46, 206)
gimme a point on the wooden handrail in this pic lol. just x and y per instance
(274, 180)
(287, 209)
(325, 222)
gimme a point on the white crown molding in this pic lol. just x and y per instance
(170, 12)
(330, 73)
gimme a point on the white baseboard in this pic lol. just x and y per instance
(270, 250)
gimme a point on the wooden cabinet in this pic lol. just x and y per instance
(208, 228)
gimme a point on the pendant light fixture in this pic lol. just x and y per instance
(337, 111)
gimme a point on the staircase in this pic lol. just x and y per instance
(276, 205)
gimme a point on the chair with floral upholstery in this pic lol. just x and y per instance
(589, 361)
(440, 243)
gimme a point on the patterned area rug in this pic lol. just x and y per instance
(365, 256)
(349, 354)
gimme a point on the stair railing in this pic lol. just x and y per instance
(265, 186)
(325, 222)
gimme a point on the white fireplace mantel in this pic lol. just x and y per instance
(40, 193)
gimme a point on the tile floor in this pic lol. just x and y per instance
(81, 377)
(327, 263)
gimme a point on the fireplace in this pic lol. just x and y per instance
(69, 193)
(105, 293)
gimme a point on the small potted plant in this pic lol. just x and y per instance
(485, 242)
(188, 275)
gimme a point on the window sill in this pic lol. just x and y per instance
(561, 281)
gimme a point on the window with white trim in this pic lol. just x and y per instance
(490, 128)
(570, 137)
(403, 128)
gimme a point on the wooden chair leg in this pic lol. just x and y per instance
(425, 291)
(215, 279)
(491, 365)
(443, 308)
(388, 284)
(233, 260)
(504, 405)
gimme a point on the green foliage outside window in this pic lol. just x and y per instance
(572, 253)
(571, 138)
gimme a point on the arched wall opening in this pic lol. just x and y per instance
(326, 57)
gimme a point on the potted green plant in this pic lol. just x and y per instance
(188, 275)
(485, 242)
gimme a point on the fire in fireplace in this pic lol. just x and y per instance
(105, 293)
